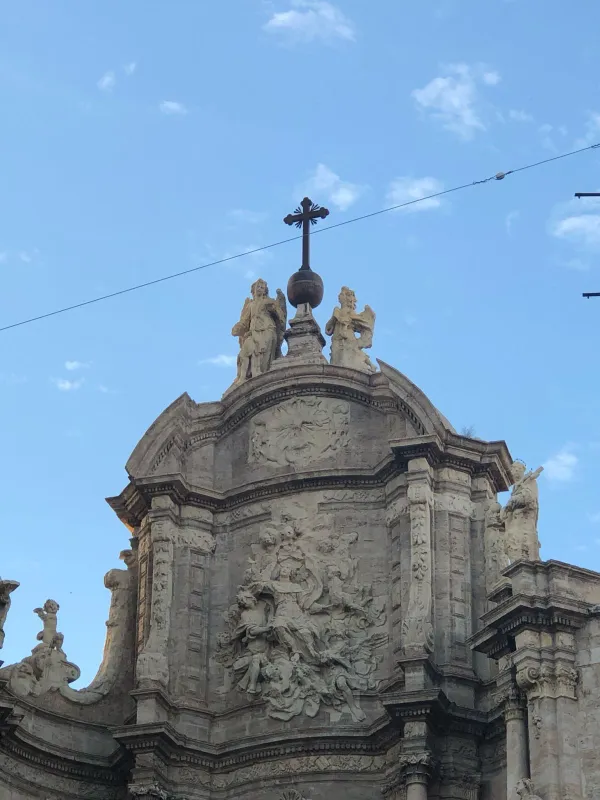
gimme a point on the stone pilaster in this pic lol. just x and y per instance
(417, 627)
(304, 340)
(549, 681)
(152, 667)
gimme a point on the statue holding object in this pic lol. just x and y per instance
(345, 323)
(260, 331)
(6, 587)
(520, 514)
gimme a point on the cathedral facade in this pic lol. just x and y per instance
(321, 598)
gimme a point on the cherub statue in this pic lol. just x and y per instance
(345, 323)
(49, 635)
(260, 331)
(526, 790)
(520, 514)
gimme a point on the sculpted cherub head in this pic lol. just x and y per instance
(259, 288)
(246, 599)
(128, 557)
(266, 539)
(51, 607)
(517, 470)
(347, 298)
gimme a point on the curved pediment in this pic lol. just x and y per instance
(186, 431)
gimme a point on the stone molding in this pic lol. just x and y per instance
(152, 791)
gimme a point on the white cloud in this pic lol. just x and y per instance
(107, 82)
(130, 68)
(105, 390)
(3, 257)
(491, 78)
(74, 365)
(172, 107)
(64, 385)
(244, 215)
(452, 98)
(561, 467)
(338, 192)
(25, 257)
(221, 360)
(310, 20)
(520, 116)
(578, 222)
(510, 220)
(407, 190)
(592, 131)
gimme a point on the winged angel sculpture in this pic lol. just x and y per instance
(302, 631)
(345, 323)
(260, 331)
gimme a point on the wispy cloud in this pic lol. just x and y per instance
(578, 222)
(172, 107)
(65, 385)
(405, 190)
(595, 517)
(105, 389)
(519, 116)
(548, 134)
(453, 98)
(561, 467)
(107, 82)
(324, 181)
(250, 217)
(592, 130)
(311, 20)
(510, 220)
(3, 256)
(74, 365)
(221, 360)
(130, 68)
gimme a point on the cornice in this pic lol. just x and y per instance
(177, 750)
(134, 502)
(491, 459)
(68, 763)
(522, 612)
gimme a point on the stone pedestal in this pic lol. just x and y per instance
(304, 340)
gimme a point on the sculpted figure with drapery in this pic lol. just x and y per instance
(260, 331)
(303, 632)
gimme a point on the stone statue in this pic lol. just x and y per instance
(260, 331)
(6, 587)
(49, 616)
(47, 667)
(345, 323)
(526, 790)
(520, 515)
(303, 633)
(494, 542)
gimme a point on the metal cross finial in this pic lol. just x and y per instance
(307, 214)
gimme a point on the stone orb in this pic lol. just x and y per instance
(305, 286)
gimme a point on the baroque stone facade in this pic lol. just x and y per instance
(322, 598)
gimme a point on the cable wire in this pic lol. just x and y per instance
(497, 177)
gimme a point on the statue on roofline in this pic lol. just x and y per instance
(345, 323)
(260, 331)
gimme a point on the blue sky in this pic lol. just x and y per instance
(140, 139)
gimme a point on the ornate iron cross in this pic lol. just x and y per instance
(307, 214)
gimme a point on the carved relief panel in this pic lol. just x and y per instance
(304, 632)
(299, 432)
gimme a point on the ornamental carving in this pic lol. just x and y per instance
(299, 432)
(304, 632)
(548, 680)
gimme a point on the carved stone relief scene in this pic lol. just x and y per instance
(308, 630)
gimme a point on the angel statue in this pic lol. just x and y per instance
(520, 514)
(345, 323)
(260, 331)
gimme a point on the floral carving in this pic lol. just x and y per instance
(299, 432)
(303, 633)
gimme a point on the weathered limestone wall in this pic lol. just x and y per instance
(585, 727)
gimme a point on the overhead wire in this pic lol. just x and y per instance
(497, 177)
